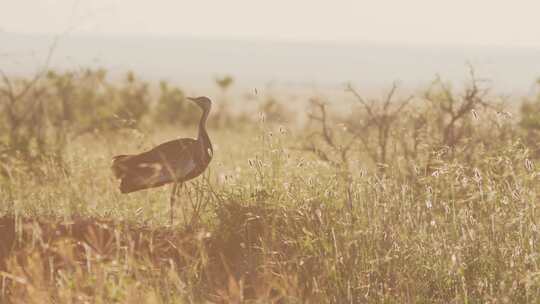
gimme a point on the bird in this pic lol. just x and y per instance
(175, 161)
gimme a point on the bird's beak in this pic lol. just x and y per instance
(191, 98)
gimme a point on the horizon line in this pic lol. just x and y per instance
(279, 40)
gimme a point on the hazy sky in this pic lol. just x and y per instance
(484, 22)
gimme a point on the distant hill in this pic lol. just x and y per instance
(195, 62)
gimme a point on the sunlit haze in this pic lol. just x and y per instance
(508, 23)
(369, 41)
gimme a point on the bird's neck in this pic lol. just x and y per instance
(203, 135)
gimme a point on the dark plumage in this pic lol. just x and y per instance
(175, 161)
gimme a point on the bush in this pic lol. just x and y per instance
(173, 108)
(41, 115)
(530, 122)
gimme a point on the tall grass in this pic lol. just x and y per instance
(272, 221)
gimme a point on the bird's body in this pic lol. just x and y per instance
(175, 161)
(161, 165)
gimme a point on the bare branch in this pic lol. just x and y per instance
(360, 99)
(389, 96)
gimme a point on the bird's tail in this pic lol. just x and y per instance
(118, 168)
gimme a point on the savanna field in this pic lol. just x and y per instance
(427, 197)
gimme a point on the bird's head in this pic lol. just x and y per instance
(204, 102)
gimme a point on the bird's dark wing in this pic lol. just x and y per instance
(170, 161)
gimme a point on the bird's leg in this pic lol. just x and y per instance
(173, 200)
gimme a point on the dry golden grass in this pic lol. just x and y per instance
(269, 223)
(288, 214)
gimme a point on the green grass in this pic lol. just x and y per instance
(269, 223)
